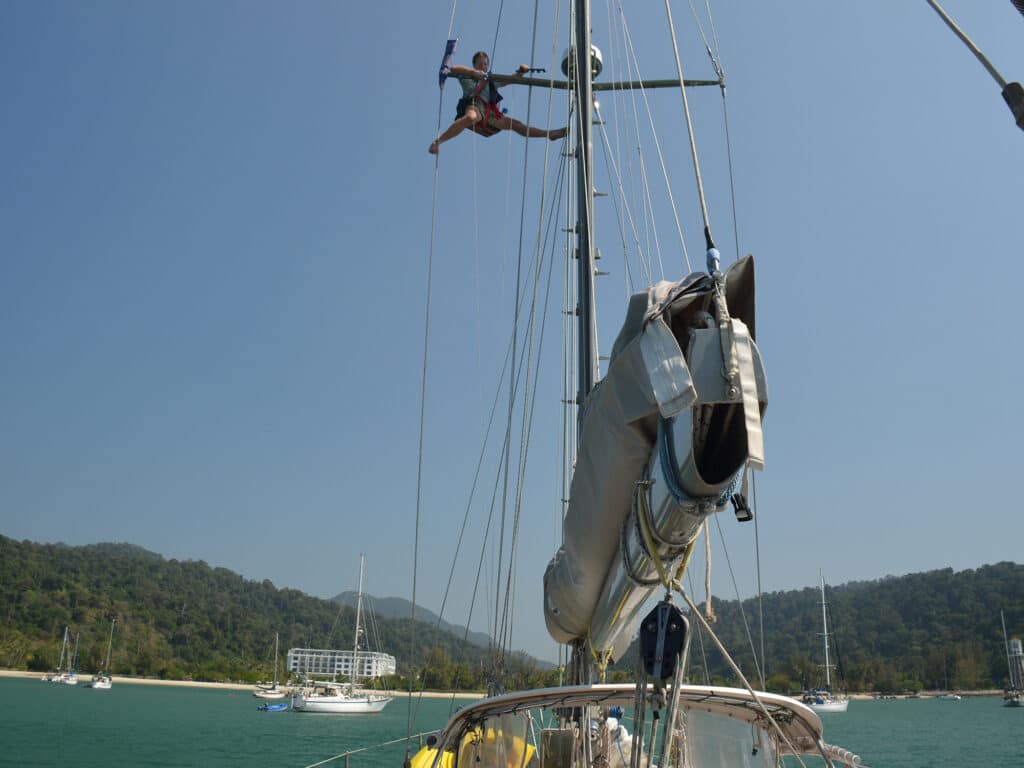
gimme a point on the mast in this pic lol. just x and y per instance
(277, 637)
(824, 626)
(1006, 644)
(64, 648)
(585, 204)
(110, 644)
(359, 618)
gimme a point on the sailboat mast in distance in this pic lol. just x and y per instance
(824, 626)
(359, 619)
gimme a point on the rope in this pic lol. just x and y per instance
(645, 532)
(689, 130)
(708, 610)
(969, 43)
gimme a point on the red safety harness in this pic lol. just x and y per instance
(483, 126)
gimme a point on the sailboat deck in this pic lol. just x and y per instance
(801, 726)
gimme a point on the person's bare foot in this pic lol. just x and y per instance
(432, 149)
(557, 134)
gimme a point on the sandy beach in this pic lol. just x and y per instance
(119, 680)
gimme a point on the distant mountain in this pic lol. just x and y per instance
(399, 608)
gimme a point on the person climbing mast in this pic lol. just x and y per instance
(478, 108)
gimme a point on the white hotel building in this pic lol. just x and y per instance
(327, 663)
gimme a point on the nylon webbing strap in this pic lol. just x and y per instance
(748, 390)
(666, 368)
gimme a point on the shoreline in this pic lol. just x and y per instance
(19, 674)
(119, 680)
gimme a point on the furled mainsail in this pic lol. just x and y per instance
(665, 439)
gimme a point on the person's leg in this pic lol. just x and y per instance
(530, 132)
(469, 119)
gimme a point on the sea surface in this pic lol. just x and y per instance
(139, 725)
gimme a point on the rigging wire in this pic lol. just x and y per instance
(525, 428)
(716, 63)
(739, 674)
(511, 408)
(739, 600)
(465, 521)
(700, 637)
(625, 206)
(423, 410)
(760, 590)
(661, 157)
(494, 405)
(423, 398)
(689, 130)
(640, 198)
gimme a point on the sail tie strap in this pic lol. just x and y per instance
(748, 391)
(670, 377)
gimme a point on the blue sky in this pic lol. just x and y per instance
(214, 234)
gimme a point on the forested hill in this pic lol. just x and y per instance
(898, 633)
(183, 619)
(177, 619)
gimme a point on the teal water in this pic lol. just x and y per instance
(140, 725)
(137, 725)
(914, 733)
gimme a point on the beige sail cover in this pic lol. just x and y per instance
(618, 432)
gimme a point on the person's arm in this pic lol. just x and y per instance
(477, 74)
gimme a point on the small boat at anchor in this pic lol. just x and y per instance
(281, 707)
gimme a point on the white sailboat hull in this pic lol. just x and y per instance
(102, 683)
(60, 677)
(268, 693)
(834, 706)
(340, 705)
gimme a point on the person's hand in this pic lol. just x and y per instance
(523, 69)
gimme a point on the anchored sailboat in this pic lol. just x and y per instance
(62, 675)
(273, 692)
(1013, 696)
(102, 679)
(342, 698)
(823, 699)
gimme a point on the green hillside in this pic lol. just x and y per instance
(898, 633)
(185, 619)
